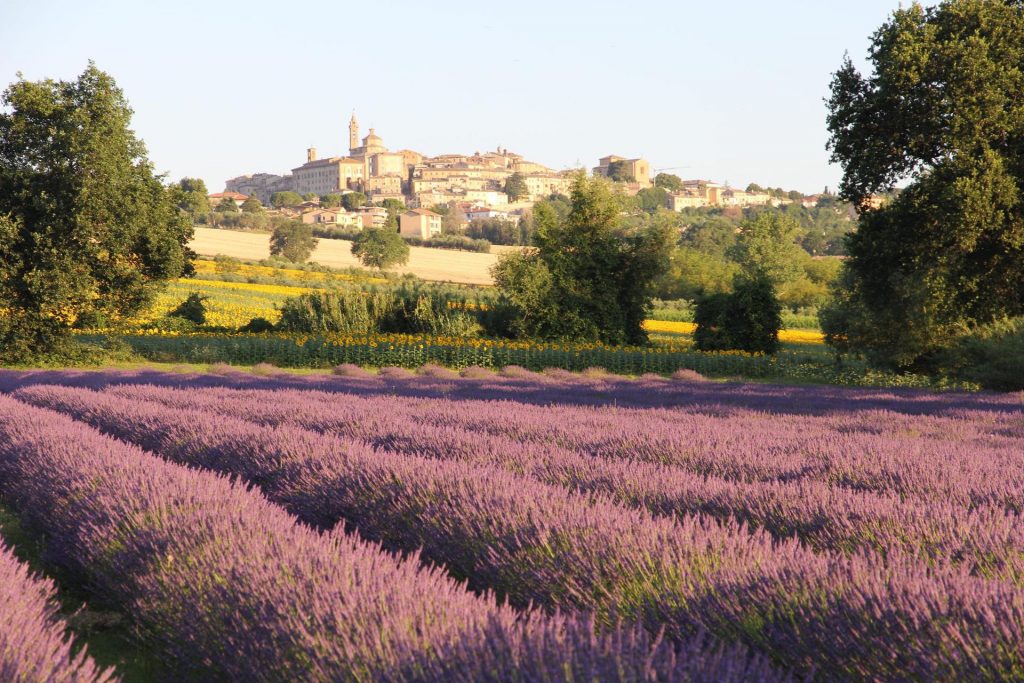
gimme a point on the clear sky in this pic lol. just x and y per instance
(725, 91)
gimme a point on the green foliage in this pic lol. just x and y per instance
(193, 308)
(257, 325)
(226, 264)
(191, 196)
(311, 197)
(515, 187)
(693, 274)
(376, 248)
(402, 310)
(594, 279)
(293, 241)
(766, 246)
(944, 110)
(748, 319)
(84, 224)
(353, 200)
(668, 181)
(252, 205)
(617, 172)
(330, 201)
(991, 356)
(285, 198)
(527, 283)
(457, 242)
(651, 199)
(226, 205)
(395, 208)
(495, 231)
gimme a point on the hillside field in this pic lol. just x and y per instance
(446, 265)
(516, 526)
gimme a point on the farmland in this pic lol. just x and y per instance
(429, 264)
(762, 531)
(258, 291)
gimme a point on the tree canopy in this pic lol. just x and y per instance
(252, 205)
(589, 278)
(942, 112)
(668, 181)
(285, 198)
(353, 200)
(378, 248)
(515, 187)
(191, 196)
(85, 226)
(294, 241)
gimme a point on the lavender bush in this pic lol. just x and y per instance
(33, 644)
(849, 617)
(229, 586)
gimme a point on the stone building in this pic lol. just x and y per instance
(638, 169)
(421, 223)
(260, 185)
(326, 176)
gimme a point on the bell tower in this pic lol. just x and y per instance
(353, 134)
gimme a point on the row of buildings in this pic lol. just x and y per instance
(476, 180)
(415, 179)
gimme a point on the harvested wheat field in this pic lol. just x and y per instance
(430, 264)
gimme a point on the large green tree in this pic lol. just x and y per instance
(766, 246)
(515, 187)
(191, 196)
(943, 113)
(353, 200)
(593, 277)
(294, 241)
(378, 248)
(285, 198)
(668, 181)
(85, 226)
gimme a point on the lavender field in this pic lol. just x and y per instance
(517, 527)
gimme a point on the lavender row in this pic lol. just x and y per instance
(229, 586)
(987, 541)
(970, 462)
(847, 618)
(33, 644)
(526, 388)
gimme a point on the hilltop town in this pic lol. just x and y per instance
(499, 184)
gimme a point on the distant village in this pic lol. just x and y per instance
(476, 185)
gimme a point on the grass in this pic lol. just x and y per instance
(106, 633)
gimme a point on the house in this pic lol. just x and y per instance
(217, 197)
(333, 217)
(637, 169)
(483, 212)
(421, 223)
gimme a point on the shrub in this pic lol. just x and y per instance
(192, 309)
(458, 242)
(476, 372)
(684, 375)
(748, 319)
(408, 310)
(991, 356)
(436, 371)
(393, 372)
(517, 372)
(350, 370)
(257, 325)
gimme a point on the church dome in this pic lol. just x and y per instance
(372, 137)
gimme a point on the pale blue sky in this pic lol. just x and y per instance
(730, 91)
